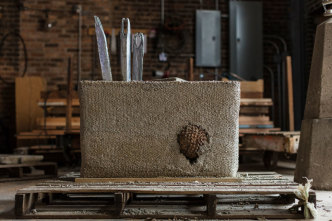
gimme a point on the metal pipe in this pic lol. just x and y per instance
(283, 77)
(282, 40)
(280, 116)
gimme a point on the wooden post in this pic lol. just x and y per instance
(69, 108)
(290, 93)
(211, 205)
(191, 69)
(120, 200)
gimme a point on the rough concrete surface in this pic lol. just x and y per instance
(314, 158)
(315, 149)
(130, 129)
(319, 95)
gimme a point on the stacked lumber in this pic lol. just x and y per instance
(52, 127)
(255, 110)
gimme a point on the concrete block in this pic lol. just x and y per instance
(130, 129)
(319, 95)
(314, 158)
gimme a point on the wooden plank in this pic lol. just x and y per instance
(252, 86)
(267, 125)
(27, 94)
(255, 120)
(191, 69)
(158, 180)
(290, 93)
(120, 200)
(57, 122)
(58, 102)
(25, 178)
(31, 164)
(158, 189)
(43, 147)
(256, 130)
(211, 205)
(252, 110)
(256, 102)
(252, 94)
(21, 204)
(69, 107)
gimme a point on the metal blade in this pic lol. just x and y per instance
(138, 53)
(103, 51)
(125, 39)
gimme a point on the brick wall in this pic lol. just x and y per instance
(48, 50)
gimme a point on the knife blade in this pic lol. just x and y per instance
(138, 53)
(103, 51)
(125, 39)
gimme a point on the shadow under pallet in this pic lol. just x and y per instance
(250, 195)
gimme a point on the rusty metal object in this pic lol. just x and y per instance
(327, 4)
(193, 141)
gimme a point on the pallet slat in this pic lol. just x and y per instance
(256, 195)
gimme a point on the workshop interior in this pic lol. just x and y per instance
(166, 110)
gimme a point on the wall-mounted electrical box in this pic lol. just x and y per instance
(208, 38)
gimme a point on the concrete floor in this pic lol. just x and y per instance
(324, 198)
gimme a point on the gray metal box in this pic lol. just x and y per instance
(246, 39)
(208, 40)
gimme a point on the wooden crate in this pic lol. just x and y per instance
(251, 195)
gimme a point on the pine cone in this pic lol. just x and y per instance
(191, 139)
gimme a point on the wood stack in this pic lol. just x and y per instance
(255, 110)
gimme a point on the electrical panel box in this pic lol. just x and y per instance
(246, 39)
(208, 38)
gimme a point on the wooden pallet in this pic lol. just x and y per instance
(17, 170)
(255, 195)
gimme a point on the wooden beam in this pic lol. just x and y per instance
(27, 94)
(191, 69)
(211, 205)
(157, 180)
(69, 107)
(290, 93)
